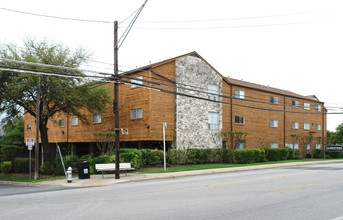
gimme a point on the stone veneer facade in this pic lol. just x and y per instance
(192, 114)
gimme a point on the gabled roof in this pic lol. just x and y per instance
(226, 79)
(153, 65)
(270, 89)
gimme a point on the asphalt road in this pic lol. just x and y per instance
(302, 192)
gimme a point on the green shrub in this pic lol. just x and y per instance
(98, 160)
(275, 154)
(22, 165)
(318, 153)
(11, 150)
(47, 168)
(334, 155)
(55, 167)
(6, 167)
(152, 157)
(248, 155)
(177, 157)
(131, 155)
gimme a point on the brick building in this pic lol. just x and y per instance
(198, 103)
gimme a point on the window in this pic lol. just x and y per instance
(96, 118)
(239, 145)
(28, 127)
(61, 122)
(292, 145)
(74, 121)
(136, 113)
(273, 100)
(239, 94)
(307, 106)
(295, 125)
(295, 103)
(307, 146)
(239, 120)
(307, 126)
(318, 108)
(318, 127)
(318, 146)
(274, 123)
(137, 80)
(274, 145)
(213, 120)
(214, 90)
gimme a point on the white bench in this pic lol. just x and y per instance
(112, 166)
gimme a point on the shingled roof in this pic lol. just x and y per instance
(269, 89)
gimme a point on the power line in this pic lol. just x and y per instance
(52, 73)
(226, 27)
(217, 101)
(129, 27)
(205, 91)
(57, 17)
(48, 73)
(227, 19)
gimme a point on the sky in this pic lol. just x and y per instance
(295, 45)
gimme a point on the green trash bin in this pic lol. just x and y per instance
(83, 170)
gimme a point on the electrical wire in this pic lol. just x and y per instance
(217, 101)
(205, 91)
(55, 17)
(129, 27)
(52, 73)
(226, 27)
(227, 19)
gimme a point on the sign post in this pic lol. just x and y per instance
(30, 142)
(164, 145)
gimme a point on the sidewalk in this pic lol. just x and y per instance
(109, 179)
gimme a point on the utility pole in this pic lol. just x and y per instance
(37, 131)
(116, 100)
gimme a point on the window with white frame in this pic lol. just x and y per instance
(295, 103)
(307, 126)
(213, 120)
(61, 122)
(28, 127)
(273, 99)
(318, 108)
(239, 145)
(274, 145)
(318, 146)
(307, 146)
(295, 125)
(136, 113)
(96, 118)
(137, 80)
(307, 106)
(214, 92)
(318, 127)
(74, 121)
(273, 123)
(239, 120)
(292, 145)
(239, 94)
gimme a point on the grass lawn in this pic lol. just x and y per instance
(214, 166)
(19, 177)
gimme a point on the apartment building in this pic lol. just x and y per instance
(197, 103)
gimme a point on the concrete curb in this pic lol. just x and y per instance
(96, 180)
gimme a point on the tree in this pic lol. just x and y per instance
(13, 131)
(337, 136)
(18, 90)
